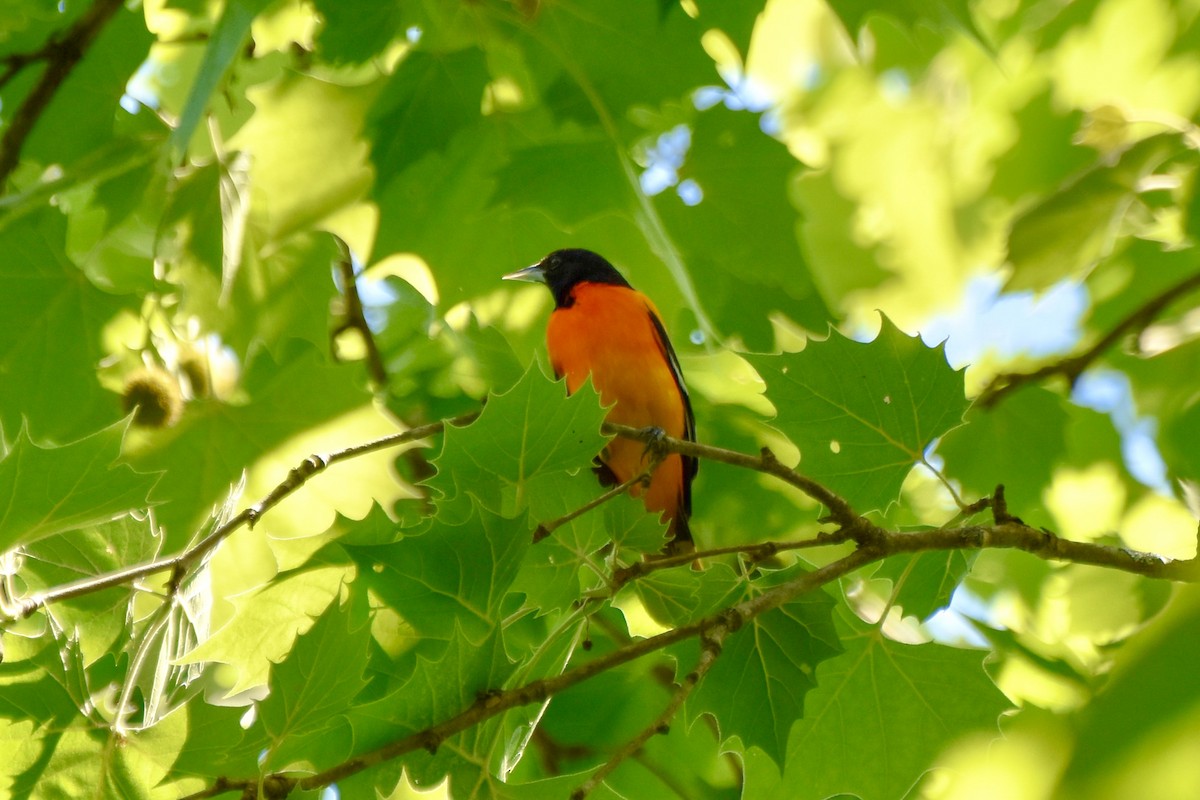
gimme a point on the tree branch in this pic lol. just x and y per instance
(716, 628)
(872, 544)
(61, 53)
(710, 649)
(765, 461)
(1073, 366)
(180, 563)
(353, 318)
(544, 529)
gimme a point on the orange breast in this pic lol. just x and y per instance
(609, 334)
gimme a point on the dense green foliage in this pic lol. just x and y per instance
(175, 230)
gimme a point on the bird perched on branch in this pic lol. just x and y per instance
(604, 327)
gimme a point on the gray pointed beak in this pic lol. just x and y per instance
(534, 274)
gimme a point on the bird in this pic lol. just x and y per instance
(604, 328)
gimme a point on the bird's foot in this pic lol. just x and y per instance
(656, 442)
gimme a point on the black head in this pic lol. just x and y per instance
(563, 269)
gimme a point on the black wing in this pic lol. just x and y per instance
(690, 464)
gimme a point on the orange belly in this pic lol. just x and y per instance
(609, 334)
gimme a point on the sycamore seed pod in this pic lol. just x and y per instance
(155, 395)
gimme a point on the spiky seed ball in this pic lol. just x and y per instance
(155, 395)
(194, 367)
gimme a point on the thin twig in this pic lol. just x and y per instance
(757, 551)
(946, 484)
(181, 562)
(765, 462)
(873, 544)
(353, 318)
(15, 62)
(717, 627)
(61, 56)
(1073, 366)
(710, 649)
(544, 529)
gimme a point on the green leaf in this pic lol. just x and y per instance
(82, 114)
(23, 746)
(438, 689)
(736, 20)
(50, 490)
(611, 707)
(863, 414)
(639, 56)
(1145, 709)
(451, 578)
(89, 762)
(756, 689)
(1065, 234)
(216, 743)
(298, 121)
(679, 596)
(910, 13)
(313, 687)
(925, 582)
(355, 30)
(881, 713)
(555, 570)
(50, 341)
(1018, 442)
(30, 693)
(428, 100)
(423, 210)
(841, 263)
(267, 300)
(588, 179)
(754, 196)
(215, 441)
(97, 620)
(531, 430)
(1179, 442)
(1044, 155)
(267, 622)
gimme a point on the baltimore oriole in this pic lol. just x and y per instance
(604, 327)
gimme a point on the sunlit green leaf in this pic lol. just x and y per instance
(314, 685)
(452, 577)
(757, 688)
(97, 620)
(530, 430)
(225, 44)
(1066, 233)
(1023, 439)
(924, 582)
(863, 414)
(267, 622)
(51, 336)
(215, 441)
(298, 122)
(50, 490)
(217, 742)
(881, 713)
(1133, 720)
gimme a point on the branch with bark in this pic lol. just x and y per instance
(354, 319)
(62, 52)
(1073, 366)
(872, 543)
